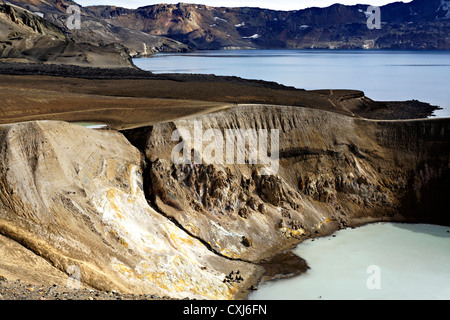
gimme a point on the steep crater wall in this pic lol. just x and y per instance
(334, 172)
(134, 221)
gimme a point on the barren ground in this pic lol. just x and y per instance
(139, 98)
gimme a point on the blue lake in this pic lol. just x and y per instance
(383, 75)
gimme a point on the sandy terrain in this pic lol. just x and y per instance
(130, 102)
(21, 104)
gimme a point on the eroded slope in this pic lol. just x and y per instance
(26, 37)
(334, 171)
(74, 197)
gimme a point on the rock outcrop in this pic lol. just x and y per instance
(98, 31)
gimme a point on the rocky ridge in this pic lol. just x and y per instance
(420, 24)
(98, 31)
(26, 37)
(417, 25)
(335, 171)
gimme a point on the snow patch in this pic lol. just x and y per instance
(220, 19)
(255, 36)
(240, 25)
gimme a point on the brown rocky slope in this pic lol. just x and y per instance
(74, 197)
(415, 25)
(135, 222)
(26, 37)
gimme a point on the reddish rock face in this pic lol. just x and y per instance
(181, 27)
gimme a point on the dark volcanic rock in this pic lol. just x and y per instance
(284, 265)
(420, 24)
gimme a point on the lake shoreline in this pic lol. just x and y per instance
(383, 75)
(279, 267)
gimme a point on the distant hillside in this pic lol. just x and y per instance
(420, 24)
(99, 31)
(26, 37)
(36, 30)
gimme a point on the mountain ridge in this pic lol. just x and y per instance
(97, 31)
(27, 37)
(416, 25)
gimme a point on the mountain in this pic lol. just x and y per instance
(26, 37)
(98, 31)
(144, 31)
(420, 24)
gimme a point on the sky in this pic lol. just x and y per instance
(270, 4)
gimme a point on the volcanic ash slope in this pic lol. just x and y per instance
(74, 197)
